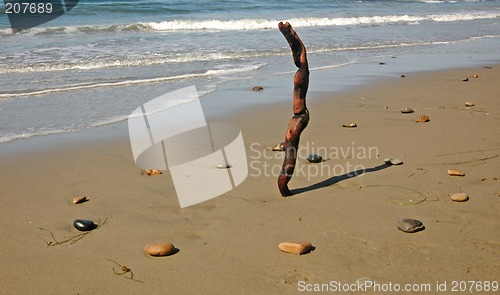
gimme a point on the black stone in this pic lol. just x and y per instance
(84, 225)
(313, 158)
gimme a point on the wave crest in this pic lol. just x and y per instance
(257, 24)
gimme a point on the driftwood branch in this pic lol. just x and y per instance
(300, 117)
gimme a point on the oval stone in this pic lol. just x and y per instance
(223, 165)
(459, 197)
(422, 119)
(295, 248)
(350, 125)
(410, 225)
(407, 110)
(79, 200)
(159, 249)
(313, 158)
(257, 88)
(469, 104)
(455, 172)
(84, 224)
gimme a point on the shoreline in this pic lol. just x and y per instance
(216, 108)
(233, 95)
(229, 243)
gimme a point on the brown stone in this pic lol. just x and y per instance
(459, 197)
(79, 200)
(422, 119)
(159, 249)
(349, 125)
(151, 172)
(455, 172)
(295, 248)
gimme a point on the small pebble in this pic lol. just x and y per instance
(407, 110)
(469, 104)
(224, 166)
(257, 88)
(79, 200)
(84, 225)
(422, 119)
(465, 80)
(403, 76)
(159, 249)
(475, 76)
(151, 172)
(313, 158)
(350, 125)
(410, 225)
(279, 147)
(459, 197)
(295, 248)
(391, 161)
(455, 172)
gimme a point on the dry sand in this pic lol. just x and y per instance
(229, 245)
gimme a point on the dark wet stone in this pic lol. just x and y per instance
(313, 158)
(410, 225)
(257, 88)
(84, 225)
(391, 161)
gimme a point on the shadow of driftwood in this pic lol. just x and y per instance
(333, 180)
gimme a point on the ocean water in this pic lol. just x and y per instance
(95, 64)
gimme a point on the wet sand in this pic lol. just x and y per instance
(230, 244)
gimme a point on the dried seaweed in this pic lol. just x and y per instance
(72, 239)
(124, 271)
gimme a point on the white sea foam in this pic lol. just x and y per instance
(257, 24)
(72, 87)
(263, 24)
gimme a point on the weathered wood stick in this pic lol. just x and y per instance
(300, 117)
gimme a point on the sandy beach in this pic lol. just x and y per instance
(346, 206)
